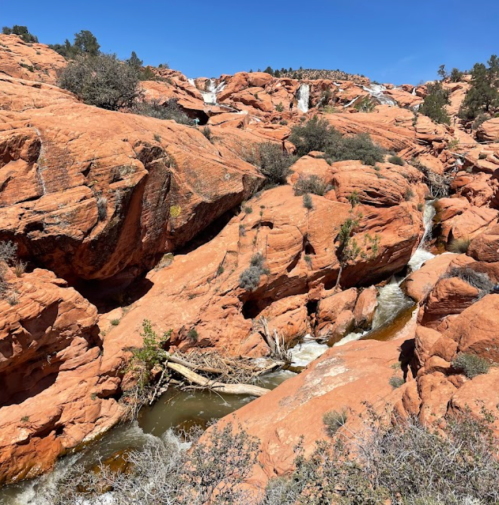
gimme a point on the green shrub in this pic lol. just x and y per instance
(456, 75)
(435, 102)
(115, 322)
(206, 131)
(101, 80)
(273, 161)
(334, 420)
(193, 335)
(396, 382)
(250, 278)
(307, 201)
(353, 198)
(396, 160)
(314, 135)
(85, 43)
(20, 31)
(169, 110)
(279, 107)
(311, 184)
(359, 147)
(471, 365)
(459, 245)
(8, 253)
(478, 280)
(409, 194)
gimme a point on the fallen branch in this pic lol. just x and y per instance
(231, 389)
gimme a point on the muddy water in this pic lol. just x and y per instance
(184, 409)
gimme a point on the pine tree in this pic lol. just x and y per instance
(435, 102)
(483, 95)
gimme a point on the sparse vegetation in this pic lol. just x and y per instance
(399, 463)
(279, 107)
(206, 131)
(396, 382)
(169, 110)
(409, 194)
(8, 253)
(193, 335)
(307, 201)
(102, 80)
(396, 160)
(459, 245)
(150, 354)
(334, 420)
(471, 364)
(311, 184)
(115, 322)
(353, 198)
(273, 161)
(478, 280)
(22, 32)
(250, 278)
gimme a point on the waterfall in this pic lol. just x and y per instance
(377, 92)
(211, 92)
(392, 301)
(303, 97)
(422, 254)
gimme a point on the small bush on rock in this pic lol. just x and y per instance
(169, 110)
(250, 278)
(396, 160)
(359, 147)
(102, 80)
(20, 31)
(478, 280)
(334, 420)
(274, 163)
(311, 184)
(459, 246)
(471, 365)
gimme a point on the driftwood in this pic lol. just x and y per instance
(231, 389)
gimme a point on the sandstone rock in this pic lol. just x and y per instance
(111, 192)
(365, 307)
(489, 131)
(449, 296)
(34, 62)
(53, 397)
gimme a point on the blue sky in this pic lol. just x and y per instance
(387, 40)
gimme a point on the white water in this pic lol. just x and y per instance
(377, 92)
(391, 299)
(303, 97)
(307, 351)
(351, 102)
(38, 491)
(210, 94)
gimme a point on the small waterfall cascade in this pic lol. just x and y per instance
(392, 301)
(422, 254)
(211, 92)
(377, 92)
(303, 97)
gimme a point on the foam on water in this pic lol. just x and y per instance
(307, 351)
(377, 92)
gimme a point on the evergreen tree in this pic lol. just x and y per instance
(435, 102)
(483, 95)
(442, 72)
(86, 43)
(134, 61)
(269, 70)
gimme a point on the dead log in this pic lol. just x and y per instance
(230, 389)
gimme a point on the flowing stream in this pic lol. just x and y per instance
(184, 409)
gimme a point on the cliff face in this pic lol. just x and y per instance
(126, 207)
